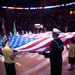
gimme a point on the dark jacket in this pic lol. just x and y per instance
(55, 56)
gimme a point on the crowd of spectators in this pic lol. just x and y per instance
(25, 20)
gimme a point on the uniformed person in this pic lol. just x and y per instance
(55, 54)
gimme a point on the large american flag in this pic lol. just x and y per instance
(36, 42)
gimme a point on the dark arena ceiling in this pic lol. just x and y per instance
(30, 3)
(21, 3)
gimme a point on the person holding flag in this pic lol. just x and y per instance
(55, 53)
(9, 56)
(71, 54)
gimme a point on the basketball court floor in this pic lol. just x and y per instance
(35, 64)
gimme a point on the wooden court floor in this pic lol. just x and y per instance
(35, 64)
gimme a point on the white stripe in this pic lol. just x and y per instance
(63, 39)
(16, 42)
(36, 50)
(21, 41)
(73, 33)
(69, 36)
(12, 41)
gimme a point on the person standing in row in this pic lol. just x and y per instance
(55, 54)
(71, 54)
(9, 57)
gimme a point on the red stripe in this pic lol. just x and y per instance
(37, 42)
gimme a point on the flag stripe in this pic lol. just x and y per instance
(37, 42)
